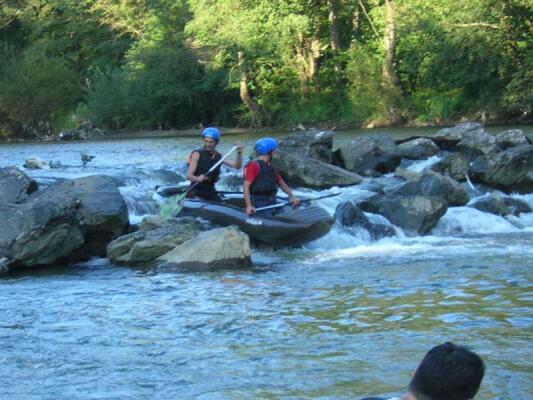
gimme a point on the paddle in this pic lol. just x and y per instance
(173, 205)
(288, 203)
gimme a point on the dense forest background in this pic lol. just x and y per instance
(145, 64)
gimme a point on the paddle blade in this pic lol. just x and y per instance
(172, 207)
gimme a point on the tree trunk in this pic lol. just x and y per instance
(246, 97)
(333, 17)
(389, 70)
(307, 53)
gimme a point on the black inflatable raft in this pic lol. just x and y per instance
(290, 227)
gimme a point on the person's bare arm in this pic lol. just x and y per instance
(238, 160)
(193, 164)
(292, 198)
(247, 200)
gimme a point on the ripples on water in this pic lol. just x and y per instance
(341, 318)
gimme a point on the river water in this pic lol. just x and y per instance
(342, 318)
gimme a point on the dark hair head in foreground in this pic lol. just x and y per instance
(448, 372)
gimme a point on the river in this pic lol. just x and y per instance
(341, 318)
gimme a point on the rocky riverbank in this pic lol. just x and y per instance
(71, 220)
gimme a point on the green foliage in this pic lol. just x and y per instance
(38, 91)
(175, 63)
(159, 87)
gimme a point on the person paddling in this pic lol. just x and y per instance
(262, 180)
(201, 161)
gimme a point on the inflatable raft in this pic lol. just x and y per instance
(289, 227)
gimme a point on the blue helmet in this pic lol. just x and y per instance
(265, 145)
(212, 133)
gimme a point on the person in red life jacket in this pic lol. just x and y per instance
(261, 180)
(201, 161)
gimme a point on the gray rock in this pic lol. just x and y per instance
(15, 185)
(39, 233)
(477, 143)
(517, 206)
(448, 138)
(102, 211)
(4, 266)
(35, 163)
(454, 165)
(418, 149)
(432, 183)
(298, 170)
(145, 246)
(510, 170)
(347, 214)
(316, 144)
(511, 138)
(414, 214)
(493, 204)
(221, 248)
(152, 222)
(370, 154)
(407, 174)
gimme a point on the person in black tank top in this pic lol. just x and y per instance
(261, 180)
(202, 160)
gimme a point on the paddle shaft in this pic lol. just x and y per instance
(301, 201)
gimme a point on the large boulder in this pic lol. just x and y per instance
(39, 232)
(314, 144)
(477, 143)
(299, 170)
(432, 183)
(348, 214)
(414, 214)
(221, 248)
(511, 138)
(102, 211)
(152, 241)
(418, 149)
(454, 165)
(15, 185)
(448, 138)
(510, 170)
(371, 153)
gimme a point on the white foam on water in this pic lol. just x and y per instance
(419, 166)
(470, 220)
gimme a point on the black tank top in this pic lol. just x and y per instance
(205, 163)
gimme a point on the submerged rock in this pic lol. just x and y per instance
(221, 248)
(35, 163)
(348, 214)
(500, 205)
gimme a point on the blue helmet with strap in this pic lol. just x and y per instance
(212, 133)
(265, 145)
